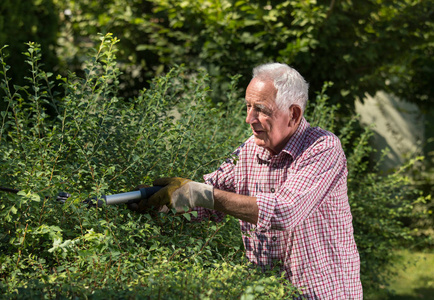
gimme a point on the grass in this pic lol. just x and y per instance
(414, 279)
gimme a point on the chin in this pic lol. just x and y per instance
(260, 143)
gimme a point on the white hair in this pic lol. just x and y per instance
(290, 85)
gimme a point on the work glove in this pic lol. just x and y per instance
(181, 194)
(143, 206)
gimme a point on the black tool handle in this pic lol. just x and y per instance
(126, 198)
(130, 197)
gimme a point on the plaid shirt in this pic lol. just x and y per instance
(305, 223)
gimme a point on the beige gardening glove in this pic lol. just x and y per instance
(182, 194)
(144, 207)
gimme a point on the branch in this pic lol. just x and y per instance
(332, 4)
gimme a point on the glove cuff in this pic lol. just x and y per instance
(201, 194)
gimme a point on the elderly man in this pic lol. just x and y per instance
(288, 188)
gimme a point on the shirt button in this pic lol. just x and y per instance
(274, 165)
(272, 190)
(274, 238)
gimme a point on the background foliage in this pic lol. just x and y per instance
(100, 143)
(22, 21)
(360, 46)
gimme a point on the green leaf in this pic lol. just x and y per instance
(187, 216)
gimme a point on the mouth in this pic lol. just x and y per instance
(257, 131)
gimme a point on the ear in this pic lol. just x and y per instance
(296, 114)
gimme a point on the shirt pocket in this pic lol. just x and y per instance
(270, 246)
(253, 187)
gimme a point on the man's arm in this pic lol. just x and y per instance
(240, 206)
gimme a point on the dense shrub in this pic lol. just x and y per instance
(97, 143)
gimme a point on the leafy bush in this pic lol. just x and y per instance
(97, 143)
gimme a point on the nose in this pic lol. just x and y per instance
(251, 116)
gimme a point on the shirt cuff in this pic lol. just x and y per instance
(266, 204)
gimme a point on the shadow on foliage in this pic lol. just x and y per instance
(419, 293)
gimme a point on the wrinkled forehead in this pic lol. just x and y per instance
(260, 91)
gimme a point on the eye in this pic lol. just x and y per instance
(263, 110)
(259, 108)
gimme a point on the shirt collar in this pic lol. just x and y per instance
(295, 144)
(293, 147)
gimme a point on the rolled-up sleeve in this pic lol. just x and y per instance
(222, 179)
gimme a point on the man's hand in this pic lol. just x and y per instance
(181, 194)
(143, 206)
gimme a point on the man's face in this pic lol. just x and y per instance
(271, 126)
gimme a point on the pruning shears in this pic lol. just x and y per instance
(122, 198)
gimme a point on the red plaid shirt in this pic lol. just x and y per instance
(305, 223)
